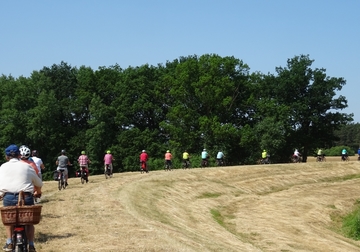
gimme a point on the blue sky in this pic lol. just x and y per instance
(262, 33)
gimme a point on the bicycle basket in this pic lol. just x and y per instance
(20, 214)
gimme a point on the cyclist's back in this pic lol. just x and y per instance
(204, 155)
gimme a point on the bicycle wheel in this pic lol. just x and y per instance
(82, 179)
(59, 184)
(20, 244)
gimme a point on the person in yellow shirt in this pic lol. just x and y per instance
(186, 160)
(265, 157)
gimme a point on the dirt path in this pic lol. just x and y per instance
(284, 207)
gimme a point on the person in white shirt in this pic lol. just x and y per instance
(16, 176)
(39, 163)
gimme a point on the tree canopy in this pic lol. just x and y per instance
(191, 103)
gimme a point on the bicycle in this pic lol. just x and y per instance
(20, 217)
(345, 158)
(220, 162)
(265, 160)
(61, 179)
(168, 166)
(204, 163)
(83, 176)
(108, 173)
(296, 159)
(321, 159)
(186, 164)
(143, 167)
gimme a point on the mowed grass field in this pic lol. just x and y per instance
(277, 207)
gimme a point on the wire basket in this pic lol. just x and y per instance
(21, 214)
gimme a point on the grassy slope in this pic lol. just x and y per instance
(287, 207)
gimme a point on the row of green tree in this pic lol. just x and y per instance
(190, 103)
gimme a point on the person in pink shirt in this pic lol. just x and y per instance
(84, 162)
(143, 159)
(168, 158)
(108, 159)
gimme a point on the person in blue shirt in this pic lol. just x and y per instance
(204, 157)
(344, 154)
(220, 158)
(359, 153)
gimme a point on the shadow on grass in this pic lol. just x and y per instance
(41, 237)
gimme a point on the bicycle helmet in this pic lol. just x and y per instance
(204, 150)
(167, 151)
(24, 151)
(82, 152)
(143, 151)
(34, 153)
(108, 152)
(63, 151)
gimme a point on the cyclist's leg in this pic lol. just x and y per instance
(111, 168)
(66, 175)
(9, 200)
(30, 230)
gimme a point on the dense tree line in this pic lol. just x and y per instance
(191, 103)
(349, 135)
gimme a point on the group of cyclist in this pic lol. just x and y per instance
(83, 160)
(320, 156)
(144, 157)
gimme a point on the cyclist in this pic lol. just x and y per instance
(62, 162)
(108, 159)
(144, 157)
(84, 162)
(39, 163)
(204, 156)
(296, 155)
(359, 153)
(264, 157)
(344, 154)
(25, 157)
(320, 155)
(168, 157)
(186, 158)
(220, 158)
(16, 176)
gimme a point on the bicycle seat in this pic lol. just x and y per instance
(62, 169)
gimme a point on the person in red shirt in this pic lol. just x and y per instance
(143, 161)
(24, 156)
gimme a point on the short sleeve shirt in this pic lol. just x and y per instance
(63, 161)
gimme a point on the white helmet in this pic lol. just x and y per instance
(24, 151)
(143, 151)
